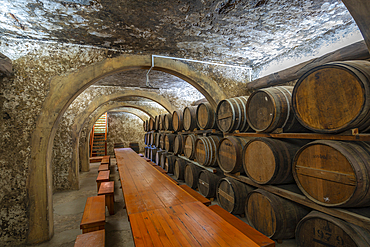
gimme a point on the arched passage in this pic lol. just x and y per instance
(143, 116)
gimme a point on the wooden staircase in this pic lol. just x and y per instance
(98, 137)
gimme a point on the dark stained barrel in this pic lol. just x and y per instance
(189, 149)
(231, 195)
(169, 142)
(146, 152)
(334, 173)
(179, 144)
(162, 140)
(179, 168)
(156, 122)
(146, 139)
(207, 183)
(206, 116)
(269, 160)
(334, 97)
(318, 229)
(168, 122)
(229, 153)
(177, 120)
(134, 146)
(150, 138)
(231, 114)
(206, 150)
(169, 163)
(272, 215)
(191, 175)
(190, 118)
(157, 140)
(270, 109)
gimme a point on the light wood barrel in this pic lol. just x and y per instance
(161, 122)
(163, 159)
(334, 97)
(271, 108)
(169, 163)
(169, 141)
(179, 144)
(231, 114)
(191, 175)
(189, 149)
(334, 173)
(318, 229)
(272, 215)
(177, 120)
(206, 150)
(229, 153)
(231, 195)
(168, 122)
(190, 118)
(269, 160)
(179, 168)
(162, 140)
(151, 124)
(158, 156)
(206, 116)
(207, 183)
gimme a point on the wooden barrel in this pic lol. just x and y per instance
(272, 215)
(169, 163)
(269, 160)
(334, 97)
(153, 137)
(151, 124)
(189, 148)
(231, 114)
(177, 121)
(169, 141)
(146, 152)
(318, 229)
(134, 146)
(179, 168)
(179, 144)
(334, 173)
(150, 138)
(161, 122)
(157, 141)
(206, 116)
(207, 183)
(190, 118)
(205, 150)
(162, 140)
(191, 175)
(156, 122)
(168, 122)
(231, 195)
(229, 153)
(146, 138)
(163, 159)
(270, 109)
(158, 156)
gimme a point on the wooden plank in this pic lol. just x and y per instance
(196, 195)
(94, 213)
(103, 167)
(106, 187)
(95, 159)
(91, 239)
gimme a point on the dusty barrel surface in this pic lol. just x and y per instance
(269, 160)
(169, 163)
(177, 121)
(189, 149)
(191, 175)
(169, 142)
(179, 144)
(207, 183)
(318, 229)
(206, 150)
(271, 108)
(231, 195)
(190, 118)
(168, 122)
(334, 173)
(334, 97)
(229, 153)
(206, 116)
(272, 215)
(179, 168)
(231, 114)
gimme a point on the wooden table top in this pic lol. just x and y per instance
(189, 224)
(144, 187)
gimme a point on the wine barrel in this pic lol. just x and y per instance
(177, 121)
(179, 168)
(191, 175)
(163, 159)
(189, 149)
(318, 229)
(334, 173)
(153, 153)
(161, 122)
(207, 183)
(231, 195)
(168, 122)
(179, 144)
(169, 141)
(157, 141)
(151, 124)
(231, 114)
(156, 122)
(229, 153)
(269, 161)
(272, 215)
(134, 146)
(334, 97)
(169, 163)
(205, 150)
(153, 137)
(146, 152)
(146, 138)
(270, 109)
(190, 118)
(150, 138)
(158, 156)
(206, 116)
(162, 140)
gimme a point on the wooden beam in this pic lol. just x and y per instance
(6, 67)
(356, 51)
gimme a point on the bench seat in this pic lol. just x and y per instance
(103, 176)
(103, 167)
(91, 239)
(96, 159)
(196, 195)
(93, 218)
(107, 189)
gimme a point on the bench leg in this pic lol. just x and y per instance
(109, 202)
(98, 185)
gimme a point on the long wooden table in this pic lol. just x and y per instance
(163, 214)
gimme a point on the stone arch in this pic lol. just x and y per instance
(129, 110)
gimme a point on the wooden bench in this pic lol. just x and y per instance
(172, 180)
(93, 218)
(146, 159)
(106, 160)
(103, 176)
(160, 169)
(196, 195)
(96, 238)
(103, 167)
(107, 189)
(152, 163)
(96, 159)
(257, 237)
